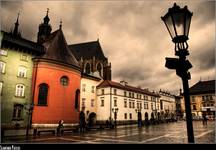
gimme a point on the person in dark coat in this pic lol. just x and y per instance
(82, 121)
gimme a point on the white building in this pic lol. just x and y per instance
(129, 102)
(88, 96)
(167, 103)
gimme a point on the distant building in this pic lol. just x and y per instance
(129, 103)
(167, 104)
(202, 97)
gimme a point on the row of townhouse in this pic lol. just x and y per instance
(102, 100)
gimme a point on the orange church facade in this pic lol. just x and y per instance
(63, 84)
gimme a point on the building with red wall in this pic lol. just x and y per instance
(56, 81)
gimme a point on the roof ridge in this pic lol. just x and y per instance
(84, 43)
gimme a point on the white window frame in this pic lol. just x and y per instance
(2, 66)
(83, 87)
(3, 52)
(20, 90)
(22, 57)
(93, 89)
(1, 87)
(22, 72)
(92, 102)
(83, 102)
(102, 102)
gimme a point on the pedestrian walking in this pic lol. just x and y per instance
(60, 126)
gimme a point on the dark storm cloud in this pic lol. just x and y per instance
(133, 73)
(206, 59)
(206, 12)
(131, 33)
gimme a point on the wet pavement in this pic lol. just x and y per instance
(167, 133)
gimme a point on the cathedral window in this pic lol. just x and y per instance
(87, 68)
(43, 92)
(99, 68)
(77, 96)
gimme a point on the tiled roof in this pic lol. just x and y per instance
(56, 49)
(203, 87)
(21, 43)
(108, 83)
(87, 50)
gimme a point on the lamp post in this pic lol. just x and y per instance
(139, 117)
(177, 21)
(30, 109)
(115, 111)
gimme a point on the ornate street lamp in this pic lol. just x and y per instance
(177, 21)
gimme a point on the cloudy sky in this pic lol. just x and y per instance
(131, 33)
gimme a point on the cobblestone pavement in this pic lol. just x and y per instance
(163, 133)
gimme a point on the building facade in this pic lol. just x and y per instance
(124, 103)
(16, 65)
(44, 85)
(91, 59)
(167, 104)
(88, 96)
(202, 97)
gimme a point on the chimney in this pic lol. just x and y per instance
(124, 83)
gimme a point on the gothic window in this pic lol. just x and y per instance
(99, 68)
(77, 98)
(20, 90)
(64, 81)
(87, 68)
(43, 92)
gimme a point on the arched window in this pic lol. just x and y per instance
(77, 96)
(64, 81)
(87, 68)
(100, 69)
(43, 92)
(22, 71)
(20, 90)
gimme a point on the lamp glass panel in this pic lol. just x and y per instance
(187, 23)
(169, 25)
(179, 20)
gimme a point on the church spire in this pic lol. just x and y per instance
(60, 25)
(44, 29)
(46, 18)
(16, 27)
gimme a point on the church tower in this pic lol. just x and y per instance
(44, 29)
(15, 31)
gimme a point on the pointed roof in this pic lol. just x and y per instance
(56, 49)
(87, 50)
(203, 87)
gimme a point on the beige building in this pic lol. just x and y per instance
(124, 103)
(202, 98)
(88, 96)
(167, 104)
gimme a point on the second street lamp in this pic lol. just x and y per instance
(177, 21)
